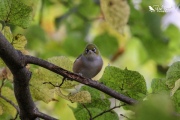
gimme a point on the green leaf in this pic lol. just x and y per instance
(7, 33)
(173, 34)
(176, 87)
(80, 97)
(116, 13)
(156, 107)
(157, 50)
(95, 94)
(176, 99)
(63, 62)
(42, 92)
(153, 22)
(173, 74)
(74, 42)
(88, 9)
(156, 44)
(105, 41)
(159, 85)
(127, 82)
(96, 107)
(1, 110)
(15, 12)
(41, 75)
(19, 42)
(6, 107)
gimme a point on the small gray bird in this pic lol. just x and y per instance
(89, 63)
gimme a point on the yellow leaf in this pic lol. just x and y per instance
(81, 97)
(1, 110)
(6, 107)
(19, 42)
(7, 33)
(116, 13)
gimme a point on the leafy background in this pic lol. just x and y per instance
(56, 28)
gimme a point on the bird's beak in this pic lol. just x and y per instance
(90, 52)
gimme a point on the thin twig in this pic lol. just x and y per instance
(90, 115)
(124, 116)
(44, 116)
(3, 80)
(56, 85)
(109, 110)
(10, 102)
(15, 116)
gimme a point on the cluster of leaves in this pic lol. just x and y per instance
(16, 13)
(127, 82)
(91, 102)
(160, 45)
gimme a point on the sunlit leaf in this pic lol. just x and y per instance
(6, 107)
(7, 33)
(81, 97)
(176, 99)
(42, 76)
(15, 12)
(173, 34)
(116, 13)
(176, 87)
(39, 92)
(130, 83)
(158, 85)
(173, 74)
(96, 107)
(19, 42)
(1, 110)
(95, 94)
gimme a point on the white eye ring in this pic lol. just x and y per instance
(94, 50)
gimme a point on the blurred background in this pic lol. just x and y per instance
(149, 44)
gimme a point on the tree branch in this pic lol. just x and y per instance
(21, 76)
(72, 76)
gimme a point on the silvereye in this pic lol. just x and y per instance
(89, 63)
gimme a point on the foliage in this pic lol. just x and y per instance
(127, 82)
(15, 12)
(63, 28)
(96, 106)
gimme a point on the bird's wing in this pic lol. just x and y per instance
(77, 58)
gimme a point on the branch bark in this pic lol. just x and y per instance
(78, 78)
(21, 76)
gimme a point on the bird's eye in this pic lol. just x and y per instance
(94, 50)
(87, 51)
